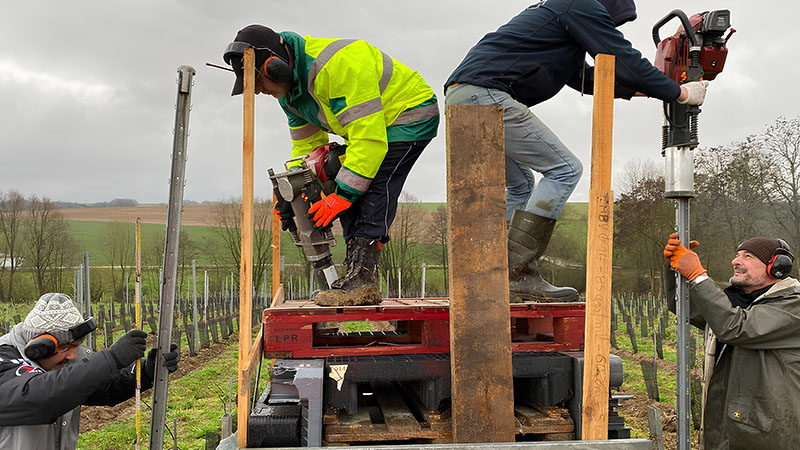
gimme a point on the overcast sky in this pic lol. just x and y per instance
(87, 89)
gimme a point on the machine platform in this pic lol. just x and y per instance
(301, 329)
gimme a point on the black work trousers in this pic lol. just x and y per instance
(372, 214)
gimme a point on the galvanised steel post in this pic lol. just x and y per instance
(87, 300)
(170, 267)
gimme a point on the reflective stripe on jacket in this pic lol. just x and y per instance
(352, 89)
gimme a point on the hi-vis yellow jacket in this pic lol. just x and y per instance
(352, 89)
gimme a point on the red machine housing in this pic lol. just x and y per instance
(672, 53)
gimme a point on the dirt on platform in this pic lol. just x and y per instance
(365, 295)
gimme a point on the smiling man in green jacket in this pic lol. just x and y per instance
(752, 345)
(386, 113)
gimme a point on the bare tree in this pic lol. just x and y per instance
(780, 174)
(400, 252)
(730, 204)
(644, 219)
(152, 259)
(46, 234)
(227, 220)
(437, 229)
(12, 206)
(118, 246)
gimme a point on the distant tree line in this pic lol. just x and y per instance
(33, 235)
(744, 189)
(116, 203)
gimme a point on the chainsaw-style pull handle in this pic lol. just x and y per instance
(687, 26)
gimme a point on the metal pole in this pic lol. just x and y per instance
(171, 241)
(399, 283)
(79, 287)
(194, 307)
(137, 289)
(87, 297)
(683, 330)
(127, 280)
(205, 296)
(422, 295)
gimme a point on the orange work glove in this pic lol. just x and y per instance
(324, 211)
(682, 259)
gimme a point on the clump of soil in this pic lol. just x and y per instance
(365, 295)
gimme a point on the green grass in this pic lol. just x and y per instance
(196, 401)
(632, 376)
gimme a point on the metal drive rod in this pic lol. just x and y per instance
(682, 345)
(170, 268)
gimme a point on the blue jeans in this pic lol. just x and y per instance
(519, 186)
(530, 144)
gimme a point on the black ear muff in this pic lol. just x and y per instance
(780, 265)
(277, 69)
(40, 347)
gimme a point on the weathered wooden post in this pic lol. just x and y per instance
(480, 350)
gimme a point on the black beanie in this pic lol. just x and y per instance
(762, 247)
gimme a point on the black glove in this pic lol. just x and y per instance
(285, 211)
(129, 348)
(170, 360)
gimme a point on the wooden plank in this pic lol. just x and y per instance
(543, 420)
(276, 254)
(396, 415)
(246, 260)
(482, 397)
(598, 260)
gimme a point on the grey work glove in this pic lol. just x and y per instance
(170, 360)
(696, 91)
(129, 348)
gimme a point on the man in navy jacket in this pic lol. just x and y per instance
(525, 62)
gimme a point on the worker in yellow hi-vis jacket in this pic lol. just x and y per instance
(386, 113)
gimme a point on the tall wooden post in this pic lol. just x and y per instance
(598, 259)
(246, 262)
(276, 251)
(480, 335)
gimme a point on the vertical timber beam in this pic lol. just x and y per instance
(246, 260)
(276, 250)
(480, 334)
(598, 260)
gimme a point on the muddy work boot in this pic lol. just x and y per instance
(528, 236)
(359, 286)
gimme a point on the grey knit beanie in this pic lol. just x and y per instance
(53, 314)
(762, 247)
